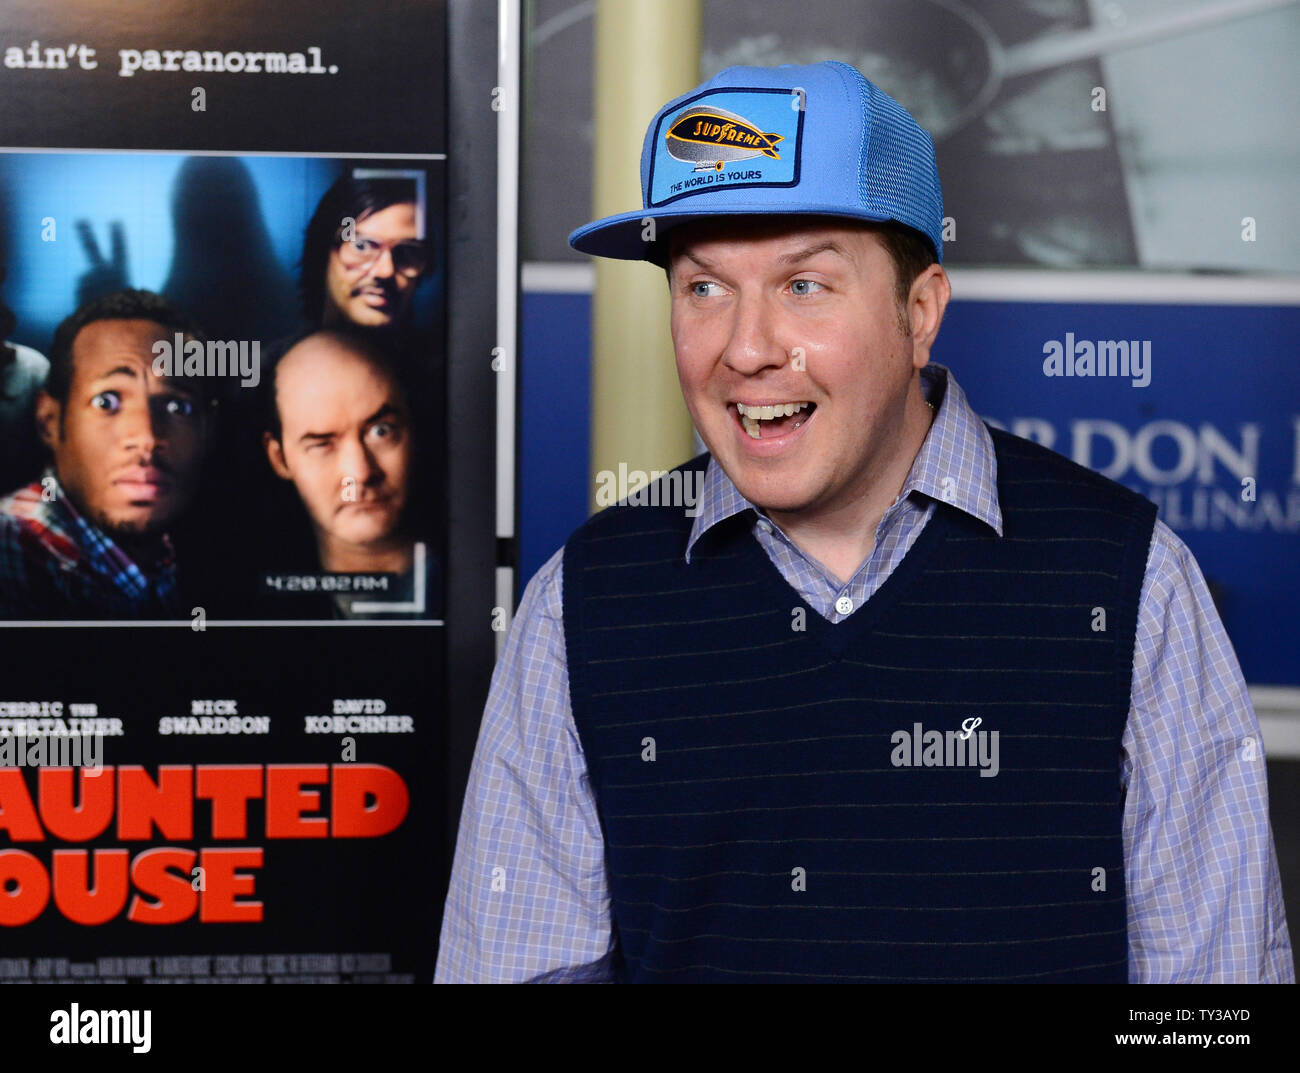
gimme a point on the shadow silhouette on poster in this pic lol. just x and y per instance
(225, 273)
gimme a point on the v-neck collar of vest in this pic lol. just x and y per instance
(837, 635)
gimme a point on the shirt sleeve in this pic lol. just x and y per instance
(529, 897)
(1203, 888)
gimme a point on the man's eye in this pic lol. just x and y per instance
(364, 245)
(803, 286)
(107, 400)
(180, 407)
(384, 430)
(700, 289)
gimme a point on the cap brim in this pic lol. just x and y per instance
(621, 236)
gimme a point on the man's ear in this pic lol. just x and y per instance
(925, 308)
(275, 454)
(48, 412)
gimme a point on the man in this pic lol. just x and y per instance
(363, 255)
(90, 540)
(907, 699)
(339, 429)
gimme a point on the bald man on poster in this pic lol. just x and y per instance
(906, 698)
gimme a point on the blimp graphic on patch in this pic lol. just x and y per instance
(711, 138)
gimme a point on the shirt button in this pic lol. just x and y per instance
(765, 525)
(844, 605)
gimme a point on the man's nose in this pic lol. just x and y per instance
(141, 428)
(359, 463)
(383, 265)
(752, 345)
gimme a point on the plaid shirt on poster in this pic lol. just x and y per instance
(55, 564)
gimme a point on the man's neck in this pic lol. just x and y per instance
(842, 538)
(146, 550)
(393, 556)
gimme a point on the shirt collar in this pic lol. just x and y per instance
(955, 465)
(98, 545)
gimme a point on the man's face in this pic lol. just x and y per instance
(784, 311)
(362, 283)
(345, 440)
(131, 443)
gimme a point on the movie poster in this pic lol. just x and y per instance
(223, 526)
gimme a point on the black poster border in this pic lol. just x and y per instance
(472, 35)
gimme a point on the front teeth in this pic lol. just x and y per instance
(766, 413)
(750, 416)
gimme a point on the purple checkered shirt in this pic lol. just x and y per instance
(529, 898)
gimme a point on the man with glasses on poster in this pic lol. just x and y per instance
(364, 254)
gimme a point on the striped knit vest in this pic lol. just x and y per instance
(784, 800)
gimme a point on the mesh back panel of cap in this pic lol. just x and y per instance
(897, 177)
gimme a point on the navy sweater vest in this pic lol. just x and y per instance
(783, 799)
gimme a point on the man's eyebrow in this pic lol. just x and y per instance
(829, 246)
(703, 262)
(122, 370)
(317, 436)
(387, 410)
(371, 237)
(186, 385)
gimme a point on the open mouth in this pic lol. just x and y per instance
(776, 419)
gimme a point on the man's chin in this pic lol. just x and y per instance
(133, 527)
(763, 487)
(785, 507)
(369, 316)
(367, 537)
(777, 495)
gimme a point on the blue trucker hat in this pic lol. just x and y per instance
(819, 139)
